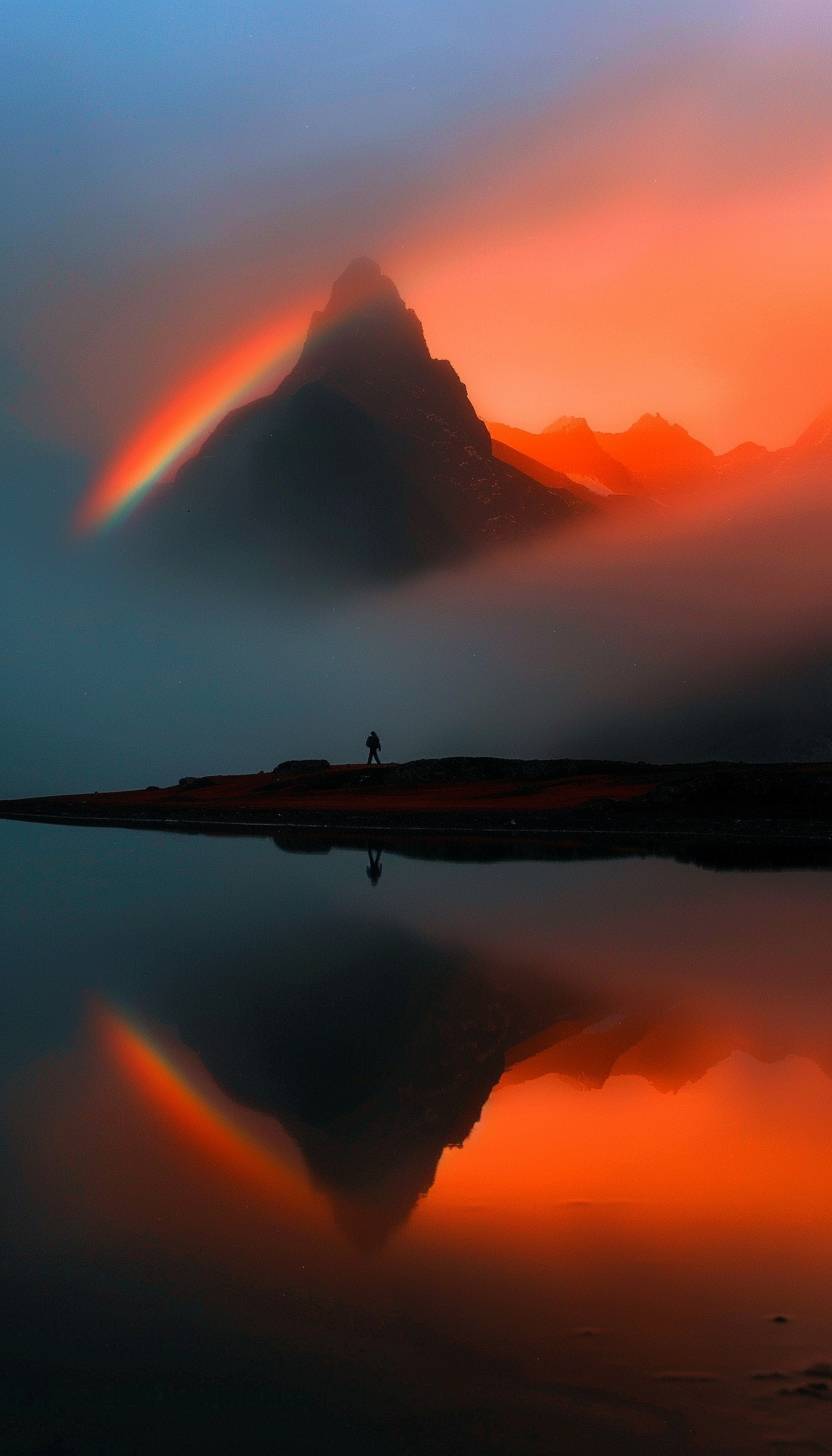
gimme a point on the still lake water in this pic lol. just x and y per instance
(519, 1157)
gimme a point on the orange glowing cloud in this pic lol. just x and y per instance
(657, 242)
(716, 314)
(653, 239)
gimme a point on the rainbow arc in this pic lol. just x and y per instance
(148, 457)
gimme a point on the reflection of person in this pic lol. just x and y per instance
(374, 867)
(374, 744)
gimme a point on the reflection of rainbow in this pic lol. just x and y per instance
(188, 414)
(206, 1120)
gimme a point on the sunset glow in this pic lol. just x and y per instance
(703, 1154)
(541, 1150)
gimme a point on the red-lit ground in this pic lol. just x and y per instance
(348, 787)
(469, 796)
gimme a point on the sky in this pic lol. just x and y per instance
(598, 208)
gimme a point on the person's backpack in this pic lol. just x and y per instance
(369, 743)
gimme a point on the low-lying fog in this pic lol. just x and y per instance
(700, 634)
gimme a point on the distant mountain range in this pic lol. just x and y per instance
(367, 462)
(570, 446)
(656, 458)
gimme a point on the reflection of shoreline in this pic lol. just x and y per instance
(734, 849)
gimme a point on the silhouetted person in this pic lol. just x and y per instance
(374, 867)
(374, 744)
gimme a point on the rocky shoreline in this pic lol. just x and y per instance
(491, 808)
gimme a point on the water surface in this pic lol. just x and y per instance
(357, 1150)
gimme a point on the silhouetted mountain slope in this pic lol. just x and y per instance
(744, 457)
(569, 446)
(809, 458)
(367, 462)
(817, 437)
(662, 458)
(651, 458)
(554, 479)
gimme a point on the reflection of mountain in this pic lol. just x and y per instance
(368, 460)
(669, 1046)
(380, 1062)
(376, 1049)
(586, 1054)
(375, 1052)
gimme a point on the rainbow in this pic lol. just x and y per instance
(202, 1117)
(187, 416)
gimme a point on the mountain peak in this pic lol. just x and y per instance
(362, 285)
(368, 459)
(364, 330)
(818, 435)
(570, 447)
(662, 456)
(568, 425)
